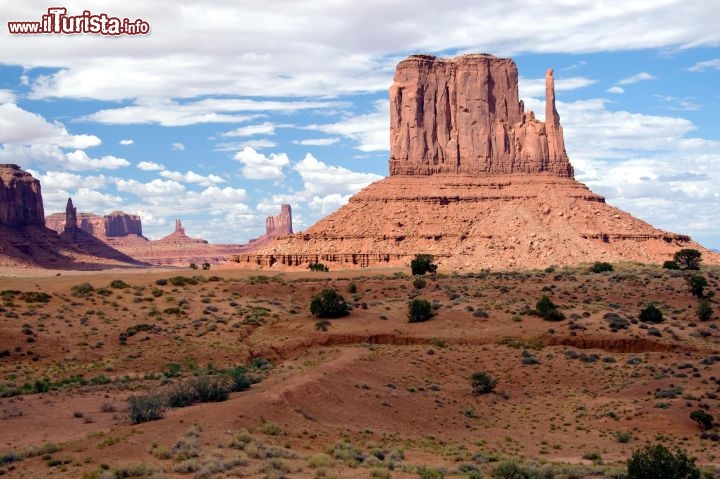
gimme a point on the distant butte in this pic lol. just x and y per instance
(474, 180)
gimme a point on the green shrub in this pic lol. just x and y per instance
(651, 315)
(328, 304)
(601, 267)
(482, 382)
(419, 283)
(352, 288)
(688, 258)
(205, 266)
(210, 388)
(193, 266)
(119, 284)
(671, 265)
(146, 408)
(697, 283)
(422, 264)
(82, 290)
(704, 310)
(548, 310)
(704, 419)
(419, 310)
(322, 324)
(318, 267)
(239, 380)
(655, 461)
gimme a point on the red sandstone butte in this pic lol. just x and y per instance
(476, 181)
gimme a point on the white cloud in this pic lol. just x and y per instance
(254, 144)
(266, 128)
(192, 177)
(21, 127)
(706, 65)
(323, 179)
(79, 160)
(62, 180)
(370, 130)
(154, 188)
(7, 96)
(178, 147)
(536, 86)
(150, 166)
(126, 142)
(261, 167)
(167, 112)
(327, 204)
(318, 141)
(642, 76)
(616, 89)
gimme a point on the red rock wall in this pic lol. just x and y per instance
(280, 224)
(463, 115)
(20, 198)
(118, 224)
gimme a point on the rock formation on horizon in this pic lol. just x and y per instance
(70, 217)
(20, 198)
(117, 224)
(474, 180)
(281, 224)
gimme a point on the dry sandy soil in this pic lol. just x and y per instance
(374, 395)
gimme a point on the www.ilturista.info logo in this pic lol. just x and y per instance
(58, 22)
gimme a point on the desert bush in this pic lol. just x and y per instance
(210, 388)
(655, 461)
(82, 290)
(419, 283)
(328, 304)
(670, 265)
(419, 310)
(205, 266)
(548, 310)
(651, 314)
(482, 382)
(180, 395)
(352, 288)
(704, 310)
(601, 267)
(193, 266)
(239, 380)
(146, 408)
(182, 280)
(119, 284)
(318, 267)
(421, 264)
(688, 258)
(697, 283)
(322, 324)
(704, 419)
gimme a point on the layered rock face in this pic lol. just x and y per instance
(475, 181)
(118, 224)
(280, 224)
(464, 115)
(20, 198)
(115, 225)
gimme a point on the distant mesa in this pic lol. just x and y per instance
(476, 181)
(25, 240)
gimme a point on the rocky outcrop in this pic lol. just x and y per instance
(280, 224)
(464, 115)
(70, 217)
(475, 181)
(118, 224)
(20, 198)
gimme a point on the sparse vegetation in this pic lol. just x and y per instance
(419, 310)
(697, 283)
(548, 310)
(670, 264)
(318, 267)
(688, 258)
(146, 408)
(703, 419)
(482, 382)
(601, 267)
(421, 264)
(704, 310)
(651, 314)
(655, 461)
(328, 304)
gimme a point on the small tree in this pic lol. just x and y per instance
(193, 266)
(328, 304)
(670, 265)
(548, 310)
(704, 419)
(688, 258)
(482, 382)
(419, 310)
(655, 461)
(697, 283)
(422, 264)
(651, 315)
(205, 266)
(704, 310)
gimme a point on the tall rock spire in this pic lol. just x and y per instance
(557, 156)
(70, 217)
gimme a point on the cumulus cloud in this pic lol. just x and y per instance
(79, 160)
(192, 177)
(616, 89)
(318, 141)
(642, 76)
(21, 127)
(150, 166)
(178, 146)
(266, 128)
(261, 167)
(370, 130)
(322, 179)
(126, 142)
(536, 86)
(706, 65)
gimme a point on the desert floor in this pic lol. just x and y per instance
(374, 395)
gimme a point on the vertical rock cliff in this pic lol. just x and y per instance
(464, 116)
(281, 224)
(20, 198)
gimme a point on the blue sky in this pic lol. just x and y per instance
(227, 109)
